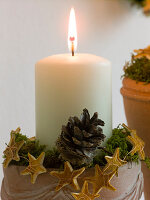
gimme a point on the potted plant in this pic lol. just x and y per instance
(136, 97)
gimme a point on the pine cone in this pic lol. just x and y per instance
(80, 138)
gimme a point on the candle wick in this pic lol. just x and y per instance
(72, 49)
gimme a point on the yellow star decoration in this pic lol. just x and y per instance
(137, 142)
(11, 152)
(143, 53)
(113, 163)
(100, 180)
(32, 139)
(16, 131)
(68, 176)
(147, 7)
(35, 167)
(84, 194)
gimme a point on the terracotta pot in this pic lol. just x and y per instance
(136, 98)
(129, 185)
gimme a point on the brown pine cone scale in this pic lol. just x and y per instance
(80, 138)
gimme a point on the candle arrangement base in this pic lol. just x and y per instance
(129, 185)
(78, 168)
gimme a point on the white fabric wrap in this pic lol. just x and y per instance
(129, 185)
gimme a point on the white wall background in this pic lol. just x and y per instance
(33, 29)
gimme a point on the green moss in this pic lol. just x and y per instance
(51, 160)
(118, 139)
(99, 159)
(147, 162)
(138, 69)
(52, 156)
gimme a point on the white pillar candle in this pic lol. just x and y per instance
(65, 85)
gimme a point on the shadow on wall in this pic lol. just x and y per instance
(106, 13)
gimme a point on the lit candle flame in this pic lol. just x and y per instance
(72, 32)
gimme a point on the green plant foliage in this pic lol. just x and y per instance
(118, 139)
(52, 156)
(138, 69)
(52, 159)
(147, 162)
(34, 148)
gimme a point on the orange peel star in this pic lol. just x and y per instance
(32, 139)
(143, 53)
(113, 163)
(137, 142)
(84, 194)
(16, 131)
(68, 176)
(11, 152)
(100, 180)
(35, 167)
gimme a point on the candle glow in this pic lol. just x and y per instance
(72, 32)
